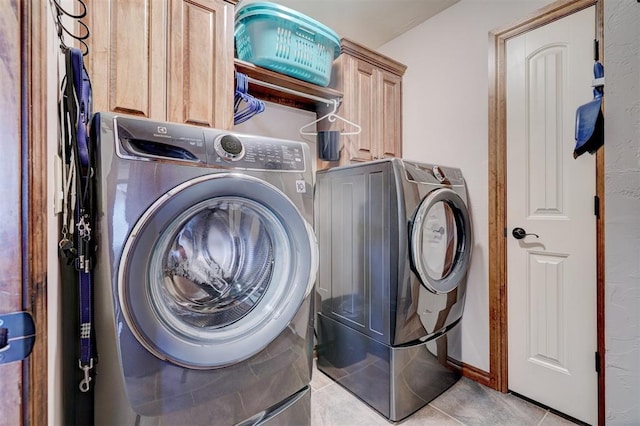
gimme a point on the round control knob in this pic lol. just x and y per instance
(229, 147)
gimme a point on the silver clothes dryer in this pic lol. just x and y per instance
(203, 285)
(395, 244)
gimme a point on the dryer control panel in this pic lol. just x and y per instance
(431, 173)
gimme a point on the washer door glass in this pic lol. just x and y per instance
(214, 263)
(215, 270)
(441, 241)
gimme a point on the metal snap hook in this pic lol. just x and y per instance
(84, 383)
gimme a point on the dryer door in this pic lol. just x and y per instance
(215, 270)
(441, 240)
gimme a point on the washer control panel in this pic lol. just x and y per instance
(147, 140)
(255, 153)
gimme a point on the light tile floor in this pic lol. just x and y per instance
(465, 403)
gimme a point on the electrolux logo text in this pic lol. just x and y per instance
(162, 133)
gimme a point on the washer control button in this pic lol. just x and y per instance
(229, 147)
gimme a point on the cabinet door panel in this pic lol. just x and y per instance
(200, 77)
(124, 49)
(372, 87)
(364, 109)
(391, 142)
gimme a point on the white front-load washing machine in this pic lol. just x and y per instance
(205, 268)
(395, 244)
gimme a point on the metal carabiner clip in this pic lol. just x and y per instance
(84, 383)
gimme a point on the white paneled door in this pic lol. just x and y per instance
(551, 271)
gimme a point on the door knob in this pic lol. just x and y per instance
(519, 233)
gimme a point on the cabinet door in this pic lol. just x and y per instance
(200, 59)
(362, 108)
(126, 57)
(390, 143)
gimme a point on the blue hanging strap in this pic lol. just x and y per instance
(589, 132)
(78, 105)
(598, 79)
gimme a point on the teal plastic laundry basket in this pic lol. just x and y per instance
(283, 40)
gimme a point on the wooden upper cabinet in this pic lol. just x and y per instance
(200, 79)
(163, 59)
(391, 107)
(372, 87)
(361, 101)
(126, 53)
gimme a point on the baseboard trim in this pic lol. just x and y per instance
(471, 372)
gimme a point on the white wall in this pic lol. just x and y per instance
(445, 116)
(622, 211)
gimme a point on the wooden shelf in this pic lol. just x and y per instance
(281, 97)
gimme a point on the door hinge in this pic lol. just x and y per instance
(596, 50)
(597, 362)
(596, 206)
(505, 232)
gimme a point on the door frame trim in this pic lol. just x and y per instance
(34, 15)
(498, 348)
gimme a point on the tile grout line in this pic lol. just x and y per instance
(543, 417)
(439, 410)
(323, 387)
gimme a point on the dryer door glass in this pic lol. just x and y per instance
(215, 270)
(441, 240)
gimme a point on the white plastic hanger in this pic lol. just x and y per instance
(332, 117)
